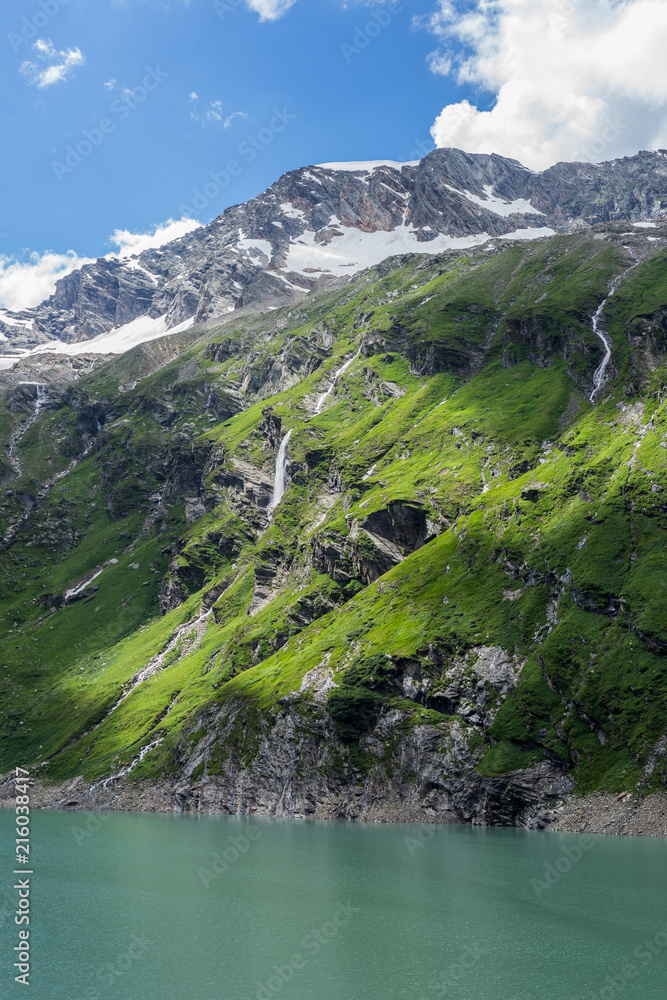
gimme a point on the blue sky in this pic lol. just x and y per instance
(159, 94)
(162, 144)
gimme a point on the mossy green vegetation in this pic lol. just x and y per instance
(457, 494)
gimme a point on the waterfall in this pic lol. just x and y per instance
(321, 400)
(80, 587)
(41, 399)
(281, 472)
(599, 330)
(606, 342)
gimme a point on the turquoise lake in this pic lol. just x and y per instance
(152, 907)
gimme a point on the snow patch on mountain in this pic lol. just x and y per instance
(122, 338)
(260, 250)
(496, 205)
(5, 317)
(367, 166)
(134, 265)
(532, 233)
(116, 341)
(291, 212)
(355, 250)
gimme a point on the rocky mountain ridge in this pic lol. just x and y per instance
(318, 225)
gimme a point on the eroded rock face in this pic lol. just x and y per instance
(248, 488)
(374, 545)
(647, 338)
(297, 766)
(330, 554)
(172, 593)
(522, 798)
(402, 524)
(267, 569)
(477, 683)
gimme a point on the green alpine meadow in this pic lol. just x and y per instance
(385, 553)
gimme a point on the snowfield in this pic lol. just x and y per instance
(355, 250)
(497, 205)
(367, 166)
(116, 341)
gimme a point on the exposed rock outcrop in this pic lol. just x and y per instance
(300, 767)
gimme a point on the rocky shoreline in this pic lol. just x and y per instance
(599, 813)
(624, 815)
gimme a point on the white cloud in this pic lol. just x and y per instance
(573, 79)
(110, 84)
(128, 243)
(58, 64)
(26, 283)
(270, 10)
(213, 113)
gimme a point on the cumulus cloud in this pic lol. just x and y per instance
(270, 10)
(573, 79)
(26, 283)
(128, 243)
(54, 66)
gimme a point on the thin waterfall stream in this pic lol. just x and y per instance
(41, 399)
(321, 401)
(282, 461)
(601, 332)
(280, 484)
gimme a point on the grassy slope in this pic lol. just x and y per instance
(477, 378)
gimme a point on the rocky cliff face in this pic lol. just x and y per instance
(317, 225)
(301, 767)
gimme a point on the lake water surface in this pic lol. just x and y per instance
(146, 907)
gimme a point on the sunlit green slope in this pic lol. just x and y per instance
(457, 493)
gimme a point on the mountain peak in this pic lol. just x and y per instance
(320, 224)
